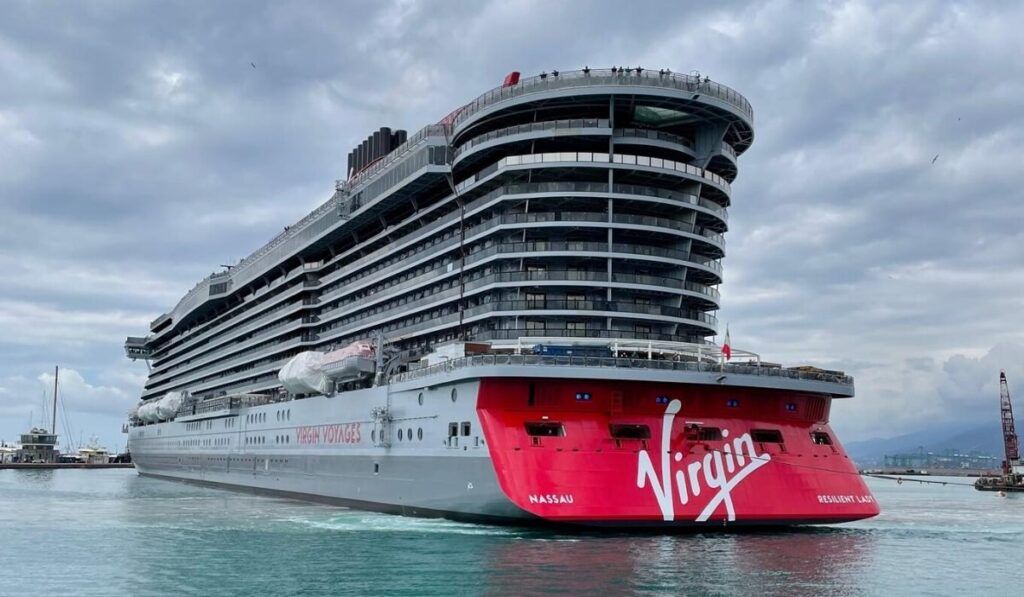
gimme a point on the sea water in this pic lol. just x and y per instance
(111, 532)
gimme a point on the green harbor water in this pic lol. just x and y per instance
(111, 532)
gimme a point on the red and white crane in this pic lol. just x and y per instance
(1010, 444)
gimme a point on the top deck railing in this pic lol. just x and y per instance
(697, 365)
(591, 77)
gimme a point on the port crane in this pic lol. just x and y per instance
(1013, 470)
(1010, 445)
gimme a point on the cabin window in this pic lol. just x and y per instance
(575, 326)
(408, 433)
(820, 438)
(420, 398)
(630, 431)
(766, 436)
(732, 403)
(419, 434)
(545, 429)
(703, 434)
(453, 429)
(791, 407)
(466, 427)
(399, 434)
(455, 394)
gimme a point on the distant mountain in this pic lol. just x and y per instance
(985, 438)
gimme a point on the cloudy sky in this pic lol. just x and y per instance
(139, 149)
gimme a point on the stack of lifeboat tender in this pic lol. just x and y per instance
(319, 373)
(163, 409)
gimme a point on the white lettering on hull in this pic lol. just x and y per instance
(718, 470)
(551, 498)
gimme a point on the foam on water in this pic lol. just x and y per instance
(381, 523)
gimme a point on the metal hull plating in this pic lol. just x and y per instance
(474, 458)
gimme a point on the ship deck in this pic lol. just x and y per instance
(749, 375)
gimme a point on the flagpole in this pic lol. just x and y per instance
(726, 349)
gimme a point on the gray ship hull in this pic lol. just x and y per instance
(458, 443)
(287, 449)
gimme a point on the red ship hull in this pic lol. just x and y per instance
(621, 453)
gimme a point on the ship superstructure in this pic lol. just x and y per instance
(531, 284)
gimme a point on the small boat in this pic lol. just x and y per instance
(93, 453)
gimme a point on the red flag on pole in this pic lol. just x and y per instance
(726, 349)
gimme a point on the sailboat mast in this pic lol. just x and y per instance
(56, 372)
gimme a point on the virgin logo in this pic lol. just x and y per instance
(719, 472)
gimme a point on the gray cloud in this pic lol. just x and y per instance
(140, 149)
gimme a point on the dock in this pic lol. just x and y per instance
(55, 465)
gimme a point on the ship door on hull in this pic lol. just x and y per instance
(630, 435)
(453, 434)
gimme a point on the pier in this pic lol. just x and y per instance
(53, 465)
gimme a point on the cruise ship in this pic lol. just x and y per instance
(506, 317)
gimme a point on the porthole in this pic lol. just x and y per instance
(419, 434)
(420, 398)
(455, 394)
(373, 436)
(399, 435)
(408, 433)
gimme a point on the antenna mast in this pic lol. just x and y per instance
(1009, 432)
(56, 372)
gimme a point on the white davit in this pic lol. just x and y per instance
(304, 374)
